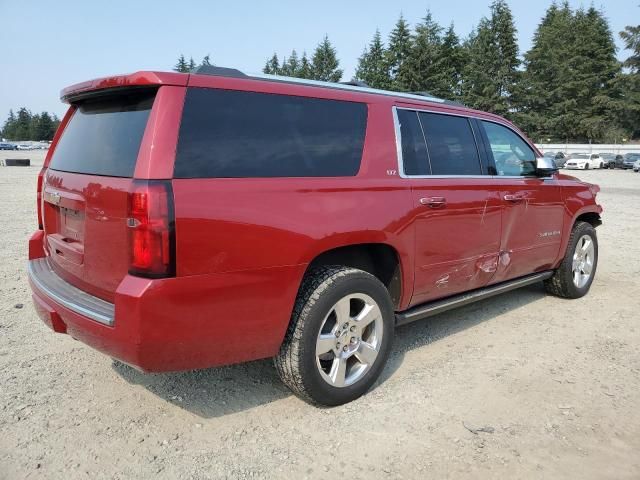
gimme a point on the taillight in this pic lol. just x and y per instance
(151, 225)
(39, 196)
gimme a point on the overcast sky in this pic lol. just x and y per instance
(47, 45)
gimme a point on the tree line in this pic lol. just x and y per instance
(29, 126)
(568, 87)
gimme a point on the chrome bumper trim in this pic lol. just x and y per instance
(49, 283)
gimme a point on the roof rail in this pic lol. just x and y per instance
(353, 85)
(219, 71)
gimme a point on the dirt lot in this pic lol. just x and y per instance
(556, 381)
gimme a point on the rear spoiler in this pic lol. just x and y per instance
(137, 79)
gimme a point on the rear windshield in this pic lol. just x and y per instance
(104, 134)
(232, 134)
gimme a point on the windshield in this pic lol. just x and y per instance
(632, 156)
(579, 155)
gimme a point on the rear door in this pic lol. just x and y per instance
(532, 215)
(456, 211)
(85, 191)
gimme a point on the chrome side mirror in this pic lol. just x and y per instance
(545, 166)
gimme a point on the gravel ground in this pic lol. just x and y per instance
(553, 382)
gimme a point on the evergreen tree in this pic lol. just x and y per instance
(451, 64)
(305, 67)
(324, 63)
(8, 130)
(23, 125)
(398, 51)
(182, 66)
(206, 61)
(291, 66)
(272, 67)
(192, 64)
(491, 71)
(631, 37)
(43, 127)
(419, 71)
(628, 84)
(373, 67)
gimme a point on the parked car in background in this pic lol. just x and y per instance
(612, 160)
(24, 146)
(8, 146)
(558, 157)
(584, 161)
(636, 166)
(630, 159)
(190, 221)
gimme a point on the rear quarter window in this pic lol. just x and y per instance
(104, 134)
(237, 134)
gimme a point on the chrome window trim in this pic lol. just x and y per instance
(67, 295)
(396, 125)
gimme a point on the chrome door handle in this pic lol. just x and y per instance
(514, 198)
(433, 202)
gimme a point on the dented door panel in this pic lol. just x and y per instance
(458, 242)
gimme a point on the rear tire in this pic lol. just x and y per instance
(339, 337)
(575, 275)
(586, 167)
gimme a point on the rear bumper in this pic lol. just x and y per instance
(178, 323)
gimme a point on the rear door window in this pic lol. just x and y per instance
(104, 134)
(511, 154)
(414, 147)
(450, 144)
(237, 134)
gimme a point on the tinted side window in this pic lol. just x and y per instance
(451, 145)
(103, 136)
(511, 154)
(226, 133)
(414, 148)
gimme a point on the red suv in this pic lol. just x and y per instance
(194, 220)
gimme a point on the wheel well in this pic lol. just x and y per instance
(378, 259)
(590, 217)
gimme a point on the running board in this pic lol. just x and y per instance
(438, 306)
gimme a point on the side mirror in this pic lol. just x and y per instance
(545, 166)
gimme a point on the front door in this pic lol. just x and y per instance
(532, 207)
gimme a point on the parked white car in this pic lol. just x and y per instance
(584, 161)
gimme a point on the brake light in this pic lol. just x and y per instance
(39, 196)
(151, 225)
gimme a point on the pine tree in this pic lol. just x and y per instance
(192, 64)
(631, 37)
(628, 84)
(305, 67)
(324, 63)
(491, 71)
(418, 72)
(272, 67)
(206, 61)
(8, 130)
(291, 65)
(23, 125)
(182, 66)
(398, 51)
(373, 67)
(451, 64)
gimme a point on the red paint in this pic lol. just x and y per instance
(243, 245)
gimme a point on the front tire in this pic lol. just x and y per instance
(575, 275)
(339, 338)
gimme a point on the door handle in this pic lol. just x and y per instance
(433, 202)
(518, 197)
